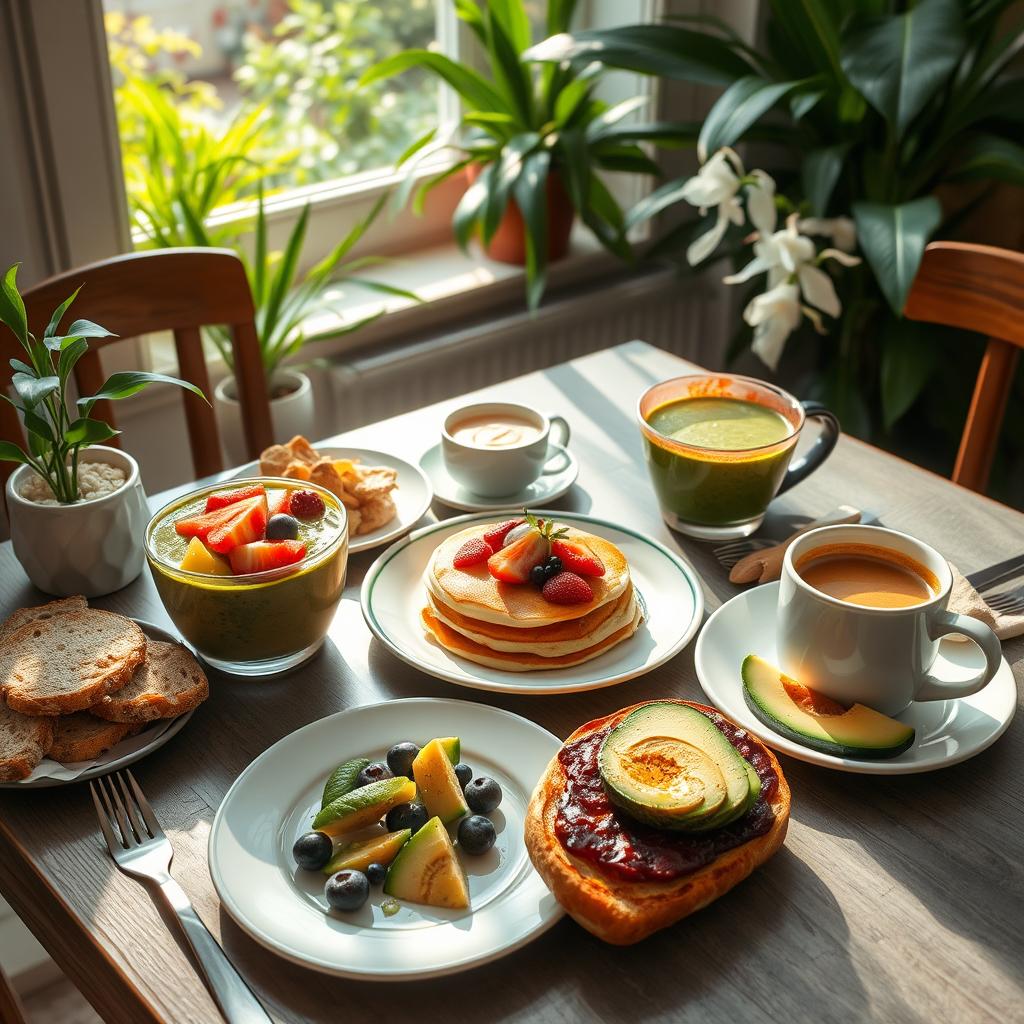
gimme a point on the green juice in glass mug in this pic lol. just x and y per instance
(719, 447)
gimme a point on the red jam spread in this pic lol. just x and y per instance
(589, 827)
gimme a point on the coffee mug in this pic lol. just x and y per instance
(878, 656)
(501, 470)
(716, 465)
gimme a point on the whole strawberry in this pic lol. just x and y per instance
(496, 535)
(473, 552)
(577, 557)
(567, 588)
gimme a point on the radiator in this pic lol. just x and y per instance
(659, 308)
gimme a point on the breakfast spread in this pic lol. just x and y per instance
(365, 491)
(526, 594)
(390, 823)
(75, 681)
(651, 813)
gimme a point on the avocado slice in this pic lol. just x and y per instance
(380, 849)
(364, 806)
(343, 780)
(809, 718)
(437, 784)
(427, 870)
(452, 747)
(668, 765)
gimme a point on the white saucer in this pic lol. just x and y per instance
(948, 731)
(412, 496)
(667, 586)
(273, 802)
(545, 488)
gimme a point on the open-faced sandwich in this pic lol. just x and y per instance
(651, 813)
(526, 594)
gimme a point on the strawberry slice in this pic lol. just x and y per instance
(512, 564)
(577, 557)
(279, 503)
(221, 499)
(201, 525)
(496, 535)
(567, 588)
(262, 555)
(473, 552)
(247, 525)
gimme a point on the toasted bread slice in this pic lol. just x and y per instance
(68, 662)
(23, 616)
(82, 737)
(167, 684)
(623, 912)
(24, 742)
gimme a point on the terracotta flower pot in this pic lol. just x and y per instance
(509, 242)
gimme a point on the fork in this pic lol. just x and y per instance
(1009, 602)
(140, 848)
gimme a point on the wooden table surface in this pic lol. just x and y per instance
(894, 899)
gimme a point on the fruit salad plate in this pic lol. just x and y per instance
(271, 805)
(946, 731)
(667, 587)
(412, 496)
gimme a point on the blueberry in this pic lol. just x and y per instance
(553, 565)
(401, 757)
(376, 873)
(483, 795)
(282, 527)
(538, 575)
(463, 773)
(375, 771)
(476, 834)
(312, 851)
(412, 816)
(347, 890)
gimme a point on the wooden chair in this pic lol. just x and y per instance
(177, 290)
(979, 288)
(11, 1010)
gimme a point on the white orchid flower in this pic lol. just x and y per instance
(761, 203)
(841, 230)
(774, 315)
(717, 183)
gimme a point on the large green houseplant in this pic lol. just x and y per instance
(525, 124)
(898, 116)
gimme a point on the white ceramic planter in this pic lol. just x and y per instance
(93, 547)
(290, 415)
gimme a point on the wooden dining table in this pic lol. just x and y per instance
(895, 898)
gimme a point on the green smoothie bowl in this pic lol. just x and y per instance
(251, 572)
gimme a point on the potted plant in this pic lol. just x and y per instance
(77, 510)
(530, 141)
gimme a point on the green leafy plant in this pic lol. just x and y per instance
(523, 122)
(284, 299)
(901, 116)
(58, 430)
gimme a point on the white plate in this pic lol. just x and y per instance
(273, 802)
(667, 586)
(122, 754)
(948, 731)
(412, 496)
(545, 488)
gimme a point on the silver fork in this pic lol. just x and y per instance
(1009, 602)
(141, 849)
(732, 551)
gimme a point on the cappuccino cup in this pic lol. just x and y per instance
(861, 612)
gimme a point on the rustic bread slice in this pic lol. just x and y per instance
(623, 912)
(68, 662)
(82, 737)
(23, 616)
(167, 684)
(24, 742)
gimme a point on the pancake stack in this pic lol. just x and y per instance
(512, 626)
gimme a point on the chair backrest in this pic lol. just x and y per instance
(11, 1010)
(979, 288)
(178, 290)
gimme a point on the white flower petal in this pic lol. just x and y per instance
(818, 290)
(761, 203)
(840, 257)
(701, 248)
(756, 266)
(770, 341)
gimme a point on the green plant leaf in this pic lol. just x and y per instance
(512, 77)
(512, 16)
(531, 191)
(12, 309)
(560, 13)
(803, 103)
(37, 427)
(22, 367)
(819, 173)
(989, 156)
(282, 278)
(654, 202)
(472, 203)
(32, 389)
(54, 324)
(10, 452)
(69, 357)
(667, 134)
(507, 170)
(131, 382)
(909, 358)
(79, 329)
(86, 431)
(739, 107)
(898, 62)
(812, 27)
(893, 238)
(608, 119)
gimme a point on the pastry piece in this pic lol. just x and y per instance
(169, 683)
(82, 737)
(375, 513)
(298, 470)
(24, 742)
(624, 910)
(23, 616)
(275, 460)
(303, 451)
(68, 662)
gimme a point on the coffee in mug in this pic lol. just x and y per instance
(866, 575)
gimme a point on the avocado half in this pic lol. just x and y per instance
(669, 766)
(804, 716)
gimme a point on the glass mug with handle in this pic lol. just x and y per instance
(720, 446)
